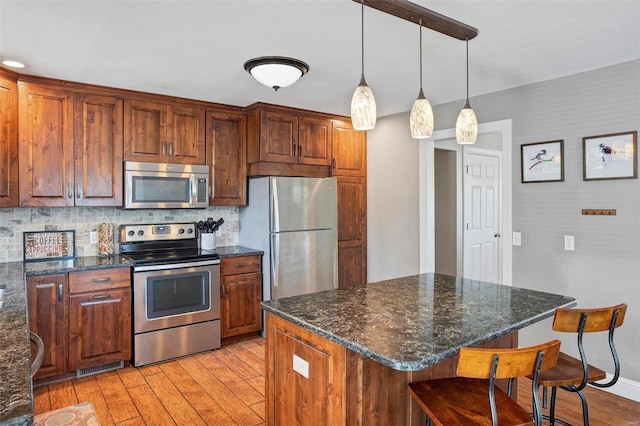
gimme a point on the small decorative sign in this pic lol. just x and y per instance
(49, 245)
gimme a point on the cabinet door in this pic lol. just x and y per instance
(240, 304)
(352, 231)
(185, 135)
(314, 145)
(145, 133)
(46, 146)
(349, 150)
(99, 328)
(226, 154)
(98, 150)
(47, 318)
(278, 137)
(8, 142)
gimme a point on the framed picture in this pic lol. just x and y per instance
(542, 161)
(611, 156)
(49, 245)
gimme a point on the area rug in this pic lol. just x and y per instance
(81, 414)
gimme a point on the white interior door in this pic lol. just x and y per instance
(482, 218)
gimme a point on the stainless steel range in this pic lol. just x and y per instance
(176, 291)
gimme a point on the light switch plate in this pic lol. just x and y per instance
(569, 243)
(301, 366)
(93, 237)
(517, 239)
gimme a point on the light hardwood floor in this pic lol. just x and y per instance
(226, 387)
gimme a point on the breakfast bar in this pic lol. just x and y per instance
(345, 356)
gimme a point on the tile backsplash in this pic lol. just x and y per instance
(83, 220)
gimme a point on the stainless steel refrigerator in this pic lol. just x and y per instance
(294, 221)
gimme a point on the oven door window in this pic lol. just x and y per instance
(177, 294)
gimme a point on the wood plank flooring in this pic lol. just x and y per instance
(226, 387)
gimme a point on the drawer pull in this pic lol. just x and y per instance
(101, 296)
(240, 265)
(102, 280)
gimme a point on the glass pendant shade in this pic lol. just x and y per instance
(363, 107)
(421, 119)
(467, 126)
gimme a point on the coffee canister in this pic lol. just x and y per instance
(105, 239)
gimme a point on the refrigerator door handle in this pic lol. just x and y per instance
(275, 207)
(275, 259)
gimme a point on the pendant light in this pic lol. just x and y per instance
(421, 119)
(467, 123)
(363, 104)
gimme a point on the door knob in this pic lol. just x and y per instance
(497, 235)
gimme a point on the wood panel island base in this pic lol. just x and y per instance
(345, 356)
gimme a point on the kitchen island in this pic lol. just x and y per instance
(345, 356)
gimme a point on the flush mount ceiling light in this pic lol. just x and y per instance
(13, 64)
(467, 123)
(363, 103)
(421, 119)
(276, 71)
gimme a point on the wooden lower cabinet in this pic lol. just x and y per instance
(83, 318)
(240, 295)
(47, 305)
(311, 380)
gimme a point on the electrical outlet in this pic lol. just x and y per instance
(517, 239)
(93, 237)
(569, 243)
(301, 366)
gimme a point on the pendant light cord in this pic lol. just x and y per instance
(362, 32)
(467, 41)
(420, 25)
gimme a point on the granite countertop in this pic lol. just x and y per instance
(16, 406)
(414, 322)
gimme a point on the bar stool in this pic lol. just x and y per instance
(573, 374)
(472, 398)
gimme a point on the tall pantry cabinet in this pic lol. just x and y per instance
(8, 139)
(349, 166)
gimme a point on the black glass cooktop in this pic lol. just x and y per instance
(170, 255)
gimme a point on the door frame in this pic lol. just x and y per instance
(427, 202)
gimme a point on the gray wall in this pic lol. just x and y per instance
(446, 256)
(604, 269)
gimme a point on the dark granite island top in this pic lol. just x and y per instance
(414, 322)
(346, 356)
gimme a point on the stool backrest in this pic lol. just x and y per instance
(598, 319)
(477, 363)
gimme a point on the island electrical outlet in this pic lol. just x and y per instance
(569, 243)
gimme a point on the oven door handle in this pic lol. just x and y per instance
(179, 265)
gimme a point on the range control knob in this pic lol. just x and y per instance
(140, 233)
(190, 231)
(181, 231)
(131, 233)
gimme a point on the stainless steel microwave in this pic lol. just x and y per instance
(165, 186)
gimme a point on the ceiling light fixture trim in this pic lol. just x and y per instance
(276, 71)
(13, 63)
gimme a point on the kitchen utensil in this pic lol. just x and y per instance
(217, 224)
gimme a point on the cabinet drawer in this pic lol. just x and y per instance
(240, 265)
(102, 279)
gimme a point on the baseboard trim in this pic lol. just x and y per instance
(625, 388)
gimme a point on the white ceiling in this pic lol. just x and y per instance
(196, 49)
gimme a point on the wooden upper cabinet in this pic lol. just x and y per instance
(278, 138)
(46, 146)
(226, 149)
(349, 150)
(314, 136)
(8, 140)
(160, 133)
(98, 150)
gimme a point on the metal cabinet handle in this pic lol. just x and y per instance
(172, 150)
(223, 290)
(101, 296)
(240, 265)
(299, 150)
(333, 163)
(164, 148)
(69, 190)
(101, 280)
(78, 190)
(60, 292)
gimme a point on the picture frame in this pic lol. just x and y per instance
(49, 245)
(542, 161)
(612, 156)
